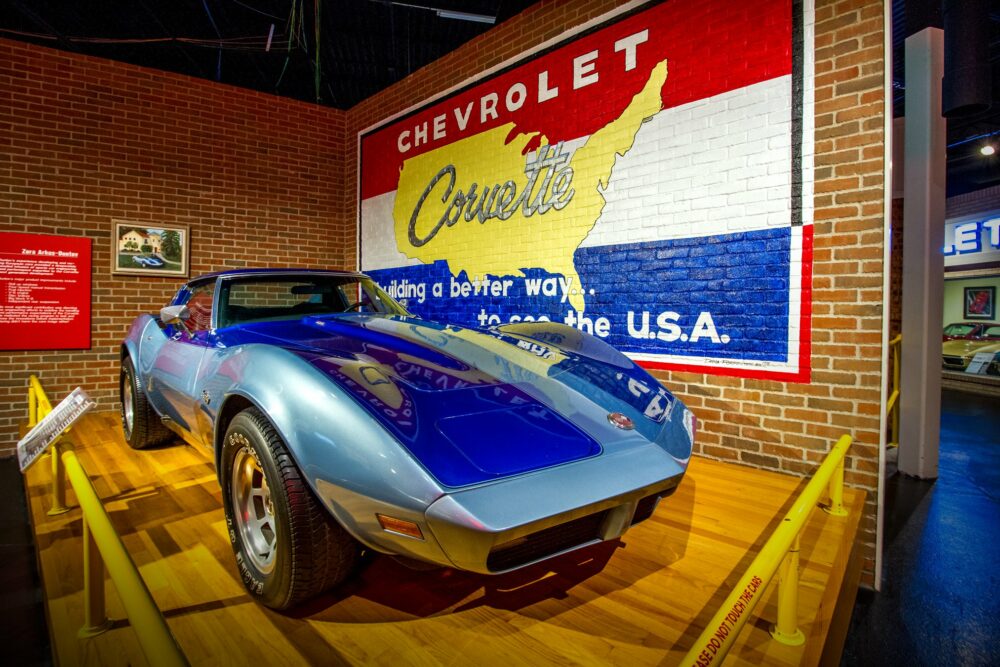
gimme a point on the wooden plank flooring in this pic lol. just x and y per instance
(641, 601)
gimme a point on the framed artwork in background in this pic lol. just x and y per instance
(980, 303)
(149, 250)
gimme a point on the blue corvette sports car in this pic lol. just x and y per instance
(338, 421)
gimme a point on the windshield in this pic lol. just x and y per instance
(284, 297)
(957, 329)
(992, 332)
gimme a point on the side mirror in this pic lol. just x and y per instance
(175, 315)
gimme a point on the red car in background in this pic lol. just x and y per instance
(966, 330)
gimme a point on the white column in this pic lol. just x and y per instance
(923, 259)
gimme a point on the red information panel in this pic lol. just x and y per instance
(44, 292)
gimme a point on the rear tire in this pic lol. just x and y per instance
(140, 423)
(288, 547)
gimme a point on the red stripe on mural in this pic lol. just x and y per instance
(712, 46)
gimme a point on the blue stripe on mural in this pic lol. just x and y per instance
(723, 296)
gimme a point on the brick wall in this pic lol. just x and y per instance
(258, 179)
(769, 424)
(971, 203)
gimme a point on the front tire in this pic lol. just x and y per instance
(288, 548)
(140, 423)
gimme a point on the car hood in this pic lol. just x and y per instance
(475, 405)
(967, 348)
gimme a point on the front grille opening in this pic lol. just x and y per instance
(644, 508)
(547, 542)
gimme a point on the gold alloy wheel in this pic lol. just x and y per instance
(254, 511)
(128, 406)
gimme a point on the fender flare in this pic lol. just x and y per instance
(330, 437)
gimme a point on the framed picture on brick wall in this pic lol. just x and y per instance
(980, 303)
(147, 250)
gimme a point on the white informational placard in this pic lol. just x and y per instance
(980, 363)
(35, 442)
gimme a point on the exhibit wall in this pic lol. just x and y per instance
(255, 180)
(971, 203)
(959, 299)
(645, 231)
(972, 256)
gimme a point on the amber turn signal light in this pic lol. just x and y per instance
(393, 525)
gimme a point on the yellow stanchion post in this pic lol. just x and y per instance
(104, 552)
(719, 635)
(836, 506)
(32, 407)
(157, 643)
(95, 617)
(58, 482)
(786, 630)
(897, 343)
(895, 428)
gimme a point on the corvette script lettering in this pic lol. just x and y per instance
(548, 187)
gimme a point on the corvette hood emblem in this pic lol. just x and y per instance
(621, 421)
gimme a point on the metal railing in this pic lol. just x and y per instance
(892, 405)
(103, 549)
(780, 551)
(38, 407)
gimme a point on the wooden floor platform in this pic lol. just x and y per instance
(641, 601)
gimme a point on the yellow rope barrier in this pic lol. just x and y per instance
(892, 405)
(781, 550)
(102, 547)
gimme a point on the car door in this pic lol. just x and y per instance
(175, 370)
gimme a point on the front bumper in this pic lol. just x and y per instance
(520, 521)
(517, 521)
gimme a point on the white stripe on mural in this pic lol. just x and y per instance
(716, 166)
(378, 239)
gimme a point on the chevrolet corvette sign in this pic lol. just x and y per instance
(646, 179)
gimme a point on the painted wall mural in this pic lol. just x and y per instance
(647, 179)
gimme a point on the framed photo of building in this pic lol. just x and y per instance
(980, 303)
(144, 250)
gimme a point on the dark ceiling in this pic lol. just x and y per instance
(968, 169)
(367, 45)
(364, 45)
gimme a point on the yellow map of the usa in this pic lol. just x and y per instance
(484, 206)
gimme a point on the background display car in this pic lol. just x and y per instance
(338, 421)
(957, 330)
(956, 354)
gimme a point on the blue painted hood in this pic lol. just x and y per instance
(476, 405)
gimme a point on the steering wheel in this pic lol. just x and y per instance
(354, 305)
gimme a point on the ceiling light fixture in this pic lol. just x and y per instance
(466, 16)
(445, 13)
(987, 149)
